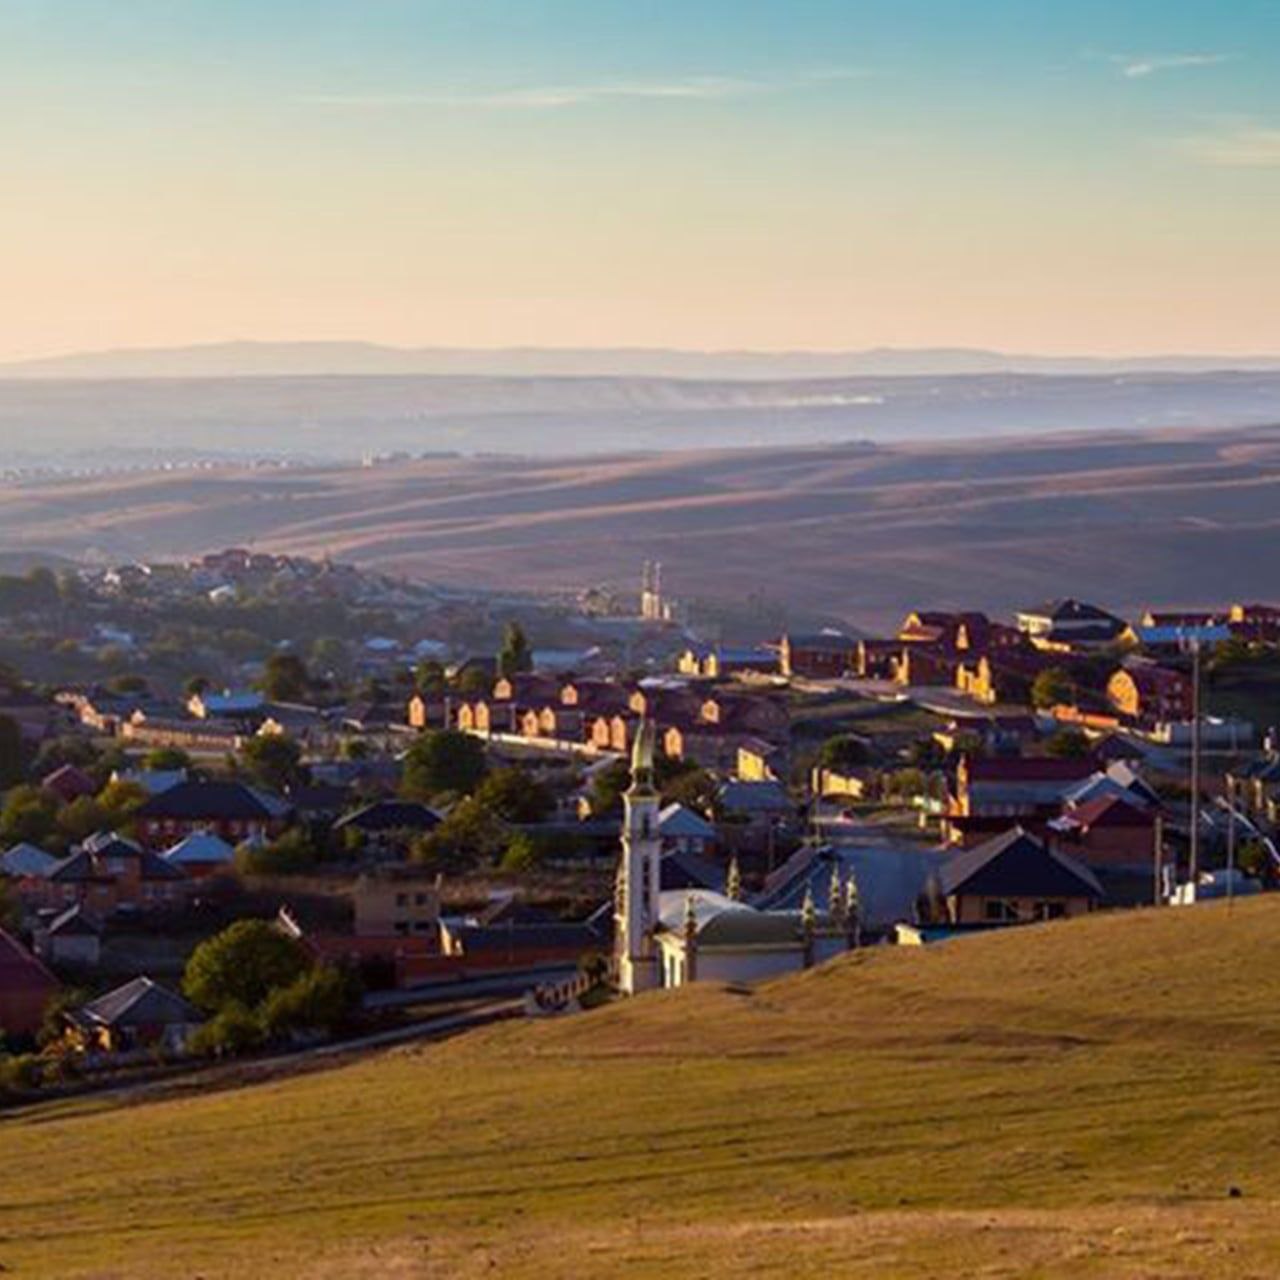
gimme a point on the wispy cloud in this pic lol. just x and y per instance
(551, 97)
(1238, 144)
(1138, 66)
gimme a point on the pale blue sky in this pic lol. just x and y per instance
(711, 173)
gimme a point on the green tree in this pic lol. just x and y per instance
(120, 801)
(844, 751)
(234, 1030)
(1067, 744)
(29, 815)
(292, 853)
(440, 761)
(82, 817)
(1052, 687)
(607, 786)
(525, 852)
(130, 682)
(166, 758)
(319, 1000)
(197, 685)
(273, 760)
(429, 678)
(473, 682)
(469, 836)
(515, 796)
(285, 678)
(242, 964)
(515, 655)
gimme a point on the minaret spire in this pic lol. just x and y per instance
(636, 915)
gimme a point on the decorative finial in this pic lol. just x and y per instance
(808, 912)
(733, 880)
(643, 751)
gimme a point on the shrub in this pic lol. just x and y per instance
(318, 1000)
(242, 965)
(233, 1031)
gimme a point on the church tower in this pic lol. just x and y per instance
(636, 909)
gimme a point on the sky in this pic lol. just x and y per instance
(1030, 175)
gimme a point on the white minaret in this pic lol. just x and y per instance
(636, 910)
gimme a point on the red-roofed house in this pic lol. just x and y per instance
(1107, 831)
(1151, 693)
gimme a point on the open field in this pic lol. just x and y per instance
(1070, 1099)
(854, 532)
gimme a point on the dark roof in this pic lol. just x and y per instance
(1017, 864)
(89, 862)
(822, 642)
(513, 937)
(391, 815)
(75, 919)
(1030, 768)
(196, 801)
(680, 869)
(140, 1002)
(20, 971)
(508, 909)
(1068, 609)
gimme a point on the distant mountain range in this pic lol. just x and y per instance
(364, 359)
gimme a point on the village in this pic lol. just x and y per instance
(288, 842)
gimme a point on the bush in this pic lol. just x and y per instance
(524, 853)
(319, 1000)
(515, 796)
(233, 1031)
(446, 760)
(293, 853)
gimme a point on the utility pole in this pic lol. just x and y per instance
(1194, 869)
(1158, 859)
(1231, 839)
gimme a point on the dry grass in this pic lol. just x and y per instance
(1076, 1098)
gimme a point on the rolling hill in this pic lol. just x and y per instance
(860, 532)
(1086, 1098)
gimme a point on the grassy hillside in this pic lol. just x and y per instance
(1075, 1098)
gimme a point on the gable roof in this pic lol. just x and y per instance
(89, 862)
(20, 971)
(140, 1002)
(677, 820)
(1017, 864)
(754, 797)
(391, 815)
(202, 848)
(213, 800)
(74, 920)
(27, 860)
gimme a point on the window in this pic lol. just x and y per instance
(401, 927)
(997, 909)
(1050, 910)
(419, 899)
(402, 899)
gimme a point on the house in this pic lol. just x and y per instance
(1012, 879)
(754, 801)
(1258, 623)
(1148, 693)
(69, 783)
(713, 662)
(229, 704)
(512, 945)
(26, 987)
(108, 873)
(1177, 637)
(70, 937)
(684, 830)
(823, 655)
(233, 810)
(991, 792)
(1111, 830)
(26, 861)
(760, 761)
(1068, 625)
(390, 824)
(152, 781)
(200, 737)
(140, 1015)
(396, 902)
(827, 783)
(201, 854)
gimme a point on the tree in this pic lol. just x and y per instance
(292, 853)
(694, 788)
(429, 678)
(120, 801)
(473, 682)
(28, 816)
(13, 754)
(525, 852)
(515, 655)
(242, 964)
(844, 751)
(442, 760)
(515, 796)
(197, 685)
(285, 678)
(469, 836)
(607, 786)
(318, 1000)
(234, 1030)
(1052, 687)
(82, 817)
(1067, 744)
(130, 682)
(273, 760)
(163, 759)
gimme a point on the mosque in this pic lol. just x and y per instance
(668, 938)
